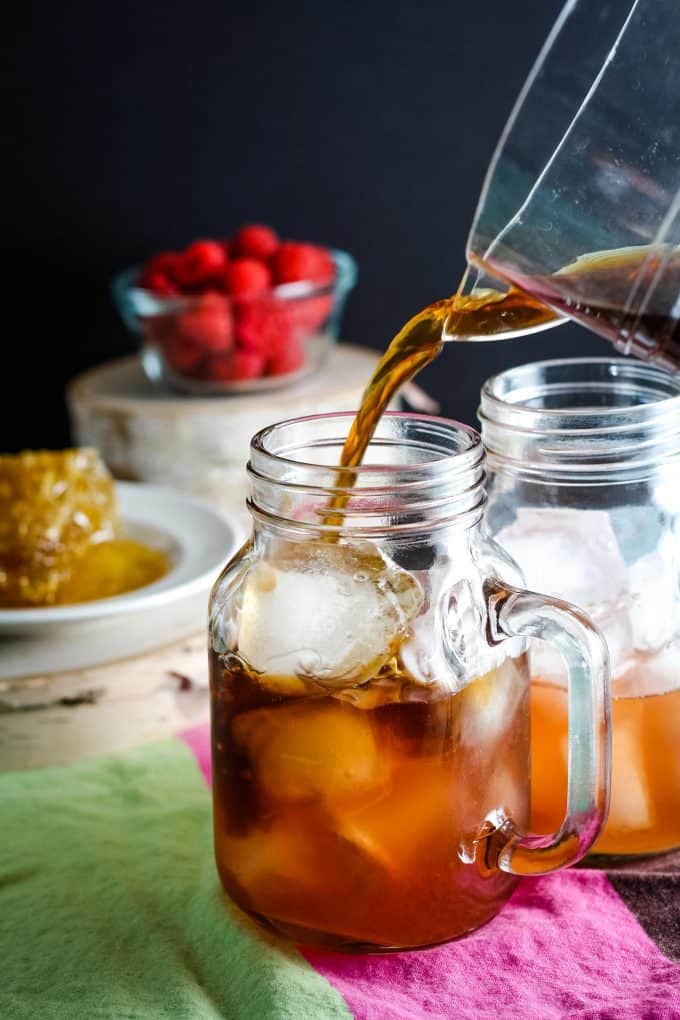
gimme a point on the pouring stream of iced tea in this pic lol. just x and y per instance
(487, 313)
(416, 345)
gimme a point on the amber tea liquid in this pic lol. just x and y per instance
(596, 291)
(644, 816)
(338, 818)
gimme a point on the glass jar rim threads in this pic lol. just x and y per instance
(582, 420)
(420, 473)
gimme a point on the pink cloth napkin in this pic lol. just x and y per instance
(582, 943)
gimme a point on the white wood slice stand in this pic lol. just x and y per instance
(53, 719)
(197, 444)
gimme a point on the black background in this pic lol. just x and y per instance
(138, 126)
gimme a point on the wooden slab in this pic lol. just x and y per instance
(199, 444)
(58, 718)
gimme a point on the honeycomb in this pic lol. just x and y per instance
(53, 506)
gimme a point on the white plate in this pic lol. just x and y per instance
(198, 541)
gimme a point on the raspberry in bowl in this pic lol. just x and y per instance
(249, 312)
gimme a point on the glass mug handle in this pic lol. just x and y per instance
(517, 613)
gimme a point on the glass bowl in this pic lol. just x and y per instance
(215, 343)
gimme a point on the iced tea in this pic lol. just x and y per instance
(645, 804)
(339, 814)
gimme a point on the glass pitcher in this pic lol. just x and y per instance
(370, 695)
(581, 204)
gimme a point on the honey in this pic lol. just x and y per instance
(112, 568)
(60, 532)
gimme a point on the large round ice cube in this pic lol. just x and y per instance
(330, 612)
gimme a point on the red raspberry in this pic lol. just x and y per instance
(208, 323)
(183, 356)
(309, 313)
(256, 241)
(235, 366)
(200, 263)
(290, 357)
(159, 272)
(165, 262)
(160, 329)
(293, 262)
(261, 325)
(244, 277)
(160, 284)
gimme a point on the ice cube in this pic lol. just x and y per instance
(384, 690)
(654, 609)
(330, 612)
(300, 871)
(321, 748)
(573, 555)
(450, 636)
(488, 706)
(509, 791)
(267, 859)
(631, 804)
(649, 674)
(419, 811)
(613, 621)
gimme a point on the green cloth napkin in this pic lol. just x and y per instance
(110, 904)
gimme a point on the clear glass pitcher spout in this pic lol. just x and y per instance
(580, 209)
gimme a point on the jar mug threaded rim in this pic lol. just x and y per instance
(582, 420)
(420, 473)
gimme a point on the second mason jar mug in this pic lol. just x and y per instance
(584, 493)
(370, 694)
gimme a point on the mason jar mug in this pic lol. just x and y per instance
(370, 695)
(584, 493)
